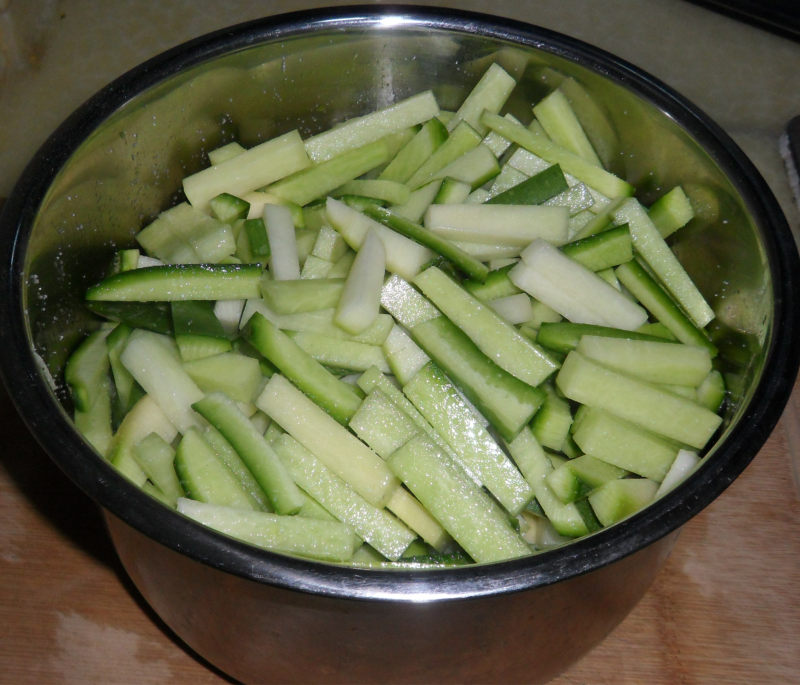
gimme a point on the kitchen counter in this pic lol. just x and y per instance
(726, 606)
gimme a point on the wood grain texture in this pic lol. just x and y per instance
(725, 607)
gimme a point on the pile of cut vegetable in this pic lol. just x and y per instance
(421, 337)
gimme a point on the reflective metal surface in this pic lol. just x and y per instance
(260, 633)
(118, 162)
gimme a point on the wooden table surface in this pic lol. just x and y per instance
(726, 606)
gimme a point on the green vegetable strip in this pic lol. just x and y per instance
(462, 139)
(180, 282)
(319, 180)
(415, 152)
(603, 250)
(254, 168)
(374, 525)
(333, 444)
(534, 190)
(671, 211)
(336, 397)
(535, 465)
(85, 368)
(326, 540)
(647, 241)
(504, 400)
(645, 404)
(489, 94)
(495, 337)
(437, 399)
(257, 238)
(563, 336)
(362, 130)
(593, 176)
(497, 284)
(658, 302)
(469, 265)
(152, 316)
(474, 520)
(249, 443)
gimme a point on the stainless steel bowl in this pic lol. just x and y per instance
(262, 617)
